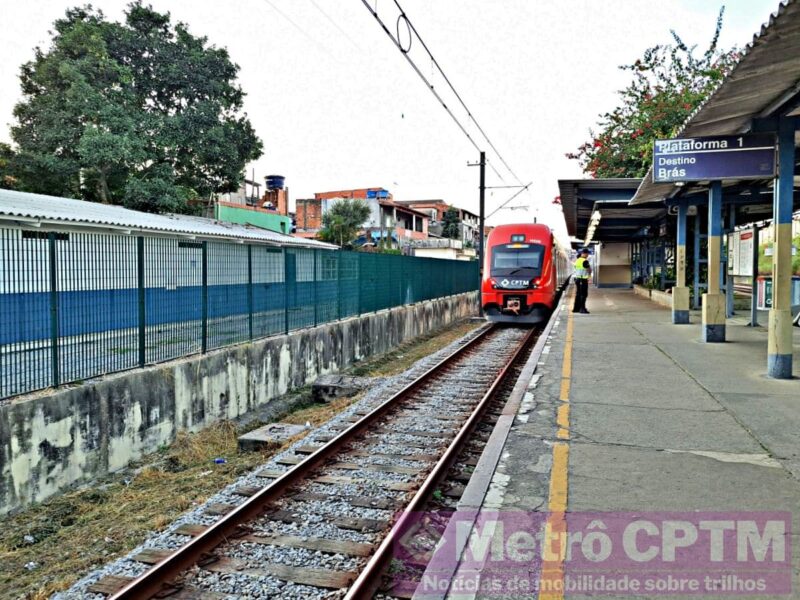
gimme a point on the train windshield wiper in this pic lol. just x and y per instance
(517, 270)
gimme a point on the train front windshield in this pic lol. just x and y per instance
(517, 259)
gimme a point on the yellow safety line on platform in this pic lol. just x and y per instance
(562, 418)
(551, 581)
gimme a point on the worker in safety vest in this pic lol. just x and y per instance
(583, 270)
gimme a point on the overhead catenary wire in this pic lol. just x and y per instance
(524, 187)
(336, 25)
(414, 66)
(453, 89)
(301, 30)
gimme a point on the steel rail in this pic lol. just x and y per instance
(369, 579)
(164, 573)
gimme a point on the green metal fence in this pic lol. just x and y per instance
(75, 305)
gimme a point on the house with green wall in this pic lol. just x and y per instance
(257, 217)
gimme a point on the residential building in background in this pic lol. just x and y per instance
(277, 195)
(436, 208)
(251, 215)
(308, 215)
(247, 206)
(443, 248)
(394, 223)
(248, 194)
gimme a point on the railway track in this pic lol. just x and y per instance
(323, 526)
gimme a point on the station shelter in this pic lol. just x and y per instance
(631, 245)
(761, 95)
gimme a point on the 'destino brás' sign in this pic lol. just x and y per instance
(711, 158)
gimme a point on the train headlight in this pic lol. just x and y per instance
(536, 282)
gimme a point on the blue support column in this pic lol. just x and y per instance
(713, 302)
(779, 345)
(696, 262)
(680, 293)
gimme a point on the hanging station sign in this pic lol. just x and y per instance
(714, 158)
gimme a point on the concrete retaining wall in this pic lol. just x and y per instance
(662, 298)
(657, 296)
(52, 440)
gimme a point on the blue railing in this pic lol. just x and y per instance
(74, 306)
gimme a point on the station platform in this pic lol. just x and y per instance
(629, 414)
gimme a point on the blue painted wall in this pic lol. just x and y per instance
(26, 317)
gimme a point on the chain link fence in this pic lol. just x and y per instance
(74, 306)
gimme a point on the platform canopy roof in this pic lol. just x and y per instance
(606, 202)
(764, 85)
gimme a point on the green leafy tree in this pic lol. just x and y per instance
(8, 177)
(450, 223)
(341, 223)
(140, 113)
(669, 83)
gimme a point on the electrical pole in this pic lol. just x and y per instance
(481, 219)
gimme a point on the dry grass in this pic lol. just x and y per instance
(407, 354)
(81, 530)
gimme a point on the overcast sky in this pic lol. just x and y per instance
(338, 107)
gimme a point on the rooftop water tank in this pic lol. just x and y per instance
(275, 182)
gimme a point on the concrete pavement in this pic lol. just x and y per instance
(657, 421)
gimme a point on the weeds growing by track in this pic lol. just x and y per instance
(68, 535)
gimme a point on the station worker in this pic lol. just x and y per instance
(583, 270)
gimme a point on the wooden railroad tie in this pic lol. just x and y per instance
(306, 449)
(397, 486)
(425, 458)
(190, 529)
(359, 501)
(352, 523)
(348, 466)
(270, 473)
(109, 585)
(219, 508)
(324, 578)
(247, 490)
(323, 545)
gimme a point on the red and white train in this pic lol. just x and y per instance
(524, 269)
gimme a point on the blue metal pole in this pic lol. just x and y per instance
(141, 300)
(285, 291)
(250, 292)
(680, 293)
(779, 346)
(55, 361)
(713, 302)
(204, 299)
(696, 260)
(316, 313)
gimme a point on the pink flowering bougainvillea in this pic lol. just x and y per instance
(669, 83)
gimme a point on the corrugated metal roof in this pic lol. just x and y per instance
(53, 210)
(768, 68)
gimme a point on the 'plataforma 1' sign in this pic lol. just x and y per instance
(709, 158)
